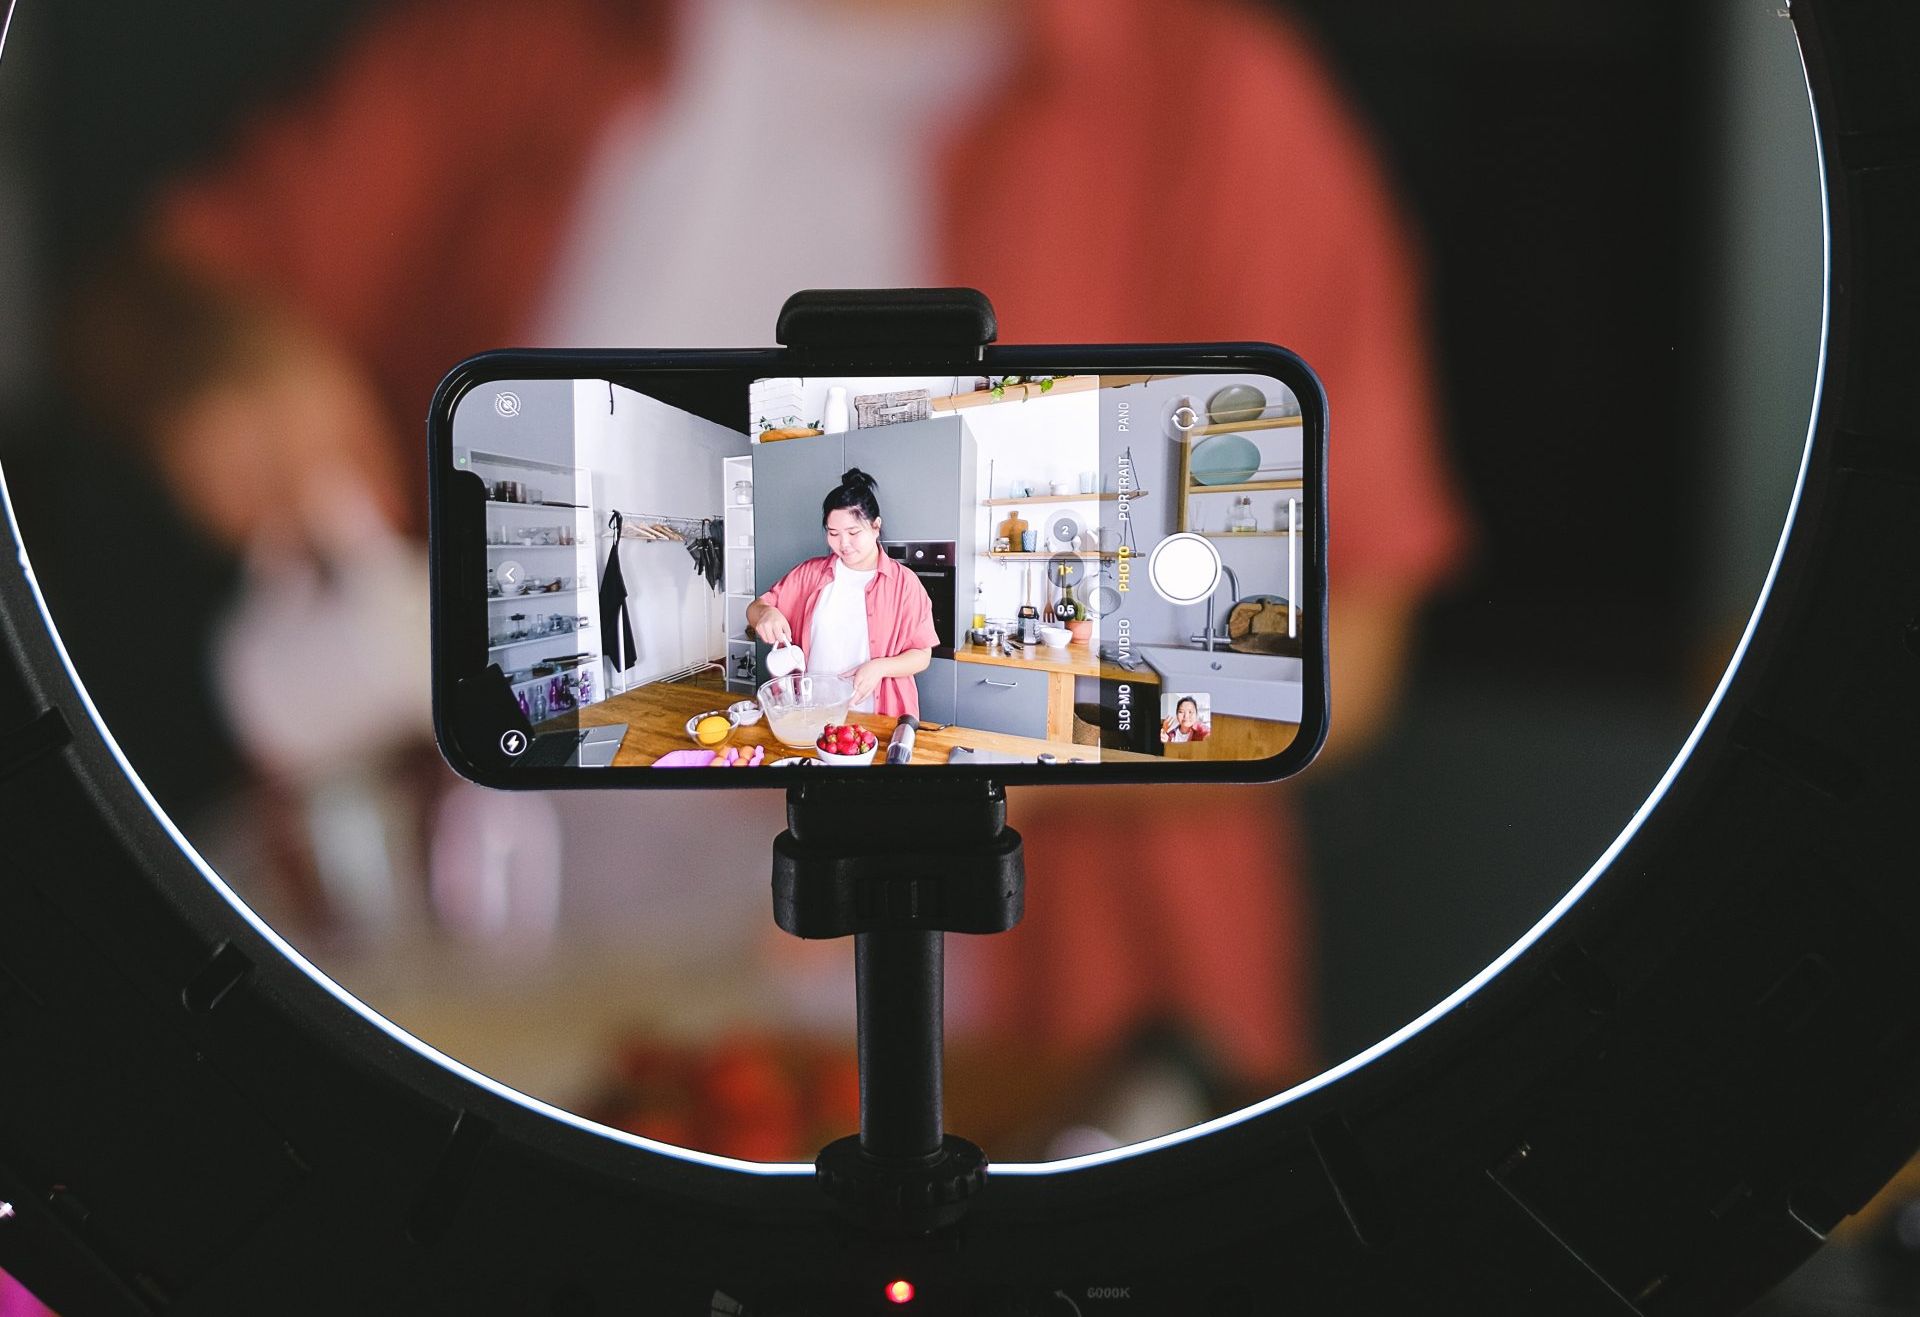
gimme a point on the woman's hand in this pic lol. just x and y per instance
(772, 626)
(1166, 729)
(867, 678)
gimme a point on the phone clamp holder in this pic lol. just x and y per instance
(896, 869)
(897, 866)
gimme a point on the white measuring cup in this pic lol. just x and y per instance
(784, 658)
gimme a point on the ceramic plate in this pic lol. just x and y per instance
(1236, 405)
(1225, 459)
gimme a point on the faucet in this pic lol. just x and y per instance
(1205, 639)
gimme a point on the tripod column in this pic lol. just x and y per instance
(898, 983)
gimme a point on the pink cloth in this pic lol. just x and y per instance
(899, 618)
(15, 1301)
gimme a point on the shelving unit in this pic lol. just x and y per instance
(1105, 555)
(738, 518)
(571, 501)
(1191, 489)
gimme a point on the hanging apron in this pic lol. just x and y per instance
(616, 628)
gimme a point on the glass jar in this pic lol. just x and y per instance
(1242, 521)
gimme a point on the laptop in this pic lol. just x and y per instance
(582, 747)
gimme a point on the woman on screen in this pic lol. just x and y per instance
(854, 612)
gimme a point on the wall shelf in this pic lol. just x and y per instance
(1257, 423)
(474, 456)
(1104, 555)
(1059, 498)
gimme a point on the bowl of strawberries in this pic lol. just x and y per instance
(845, 744)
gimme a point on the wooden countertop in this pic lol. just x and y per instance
(1073, 661)
(656, 717)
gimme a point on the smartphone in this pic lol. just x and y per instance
(1073, 564)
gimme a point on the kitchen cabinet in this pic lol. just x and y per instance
(937, 691)
(789, 480)
(1002, 699)
(925, 475)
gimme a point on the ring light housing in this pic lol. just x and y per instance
(1660, 1100)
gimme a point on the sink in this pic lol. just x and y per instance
(1243, 685)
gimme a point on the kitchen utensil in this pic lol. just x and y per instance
(1029, 541)
(1055, 637)
(745, 712)
(785, 658)
(1236, 404)
(900, 745)
(799, 704)
(1224, 459)
(1029, 624)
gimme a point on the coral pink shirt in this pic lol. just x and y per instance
(377, 204)
(899, 618)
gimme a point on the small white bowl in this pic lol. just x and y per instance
(745, 713)
(1055, 637)
(846, 761)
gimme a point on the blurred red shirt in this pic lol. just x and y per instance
(1151, 170)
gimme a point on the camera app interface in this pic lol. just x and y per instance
(909, 571)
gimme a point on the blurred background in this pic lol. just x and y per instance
(1592, 234)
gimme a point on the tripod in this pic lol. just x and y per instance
(897, 866)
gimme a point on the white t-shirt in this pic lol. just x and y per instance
(837, 633)
(794, 147)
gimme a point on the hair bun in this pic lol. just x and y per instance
(853, 475)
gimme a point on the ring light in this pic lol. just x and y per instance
(1660, 1099)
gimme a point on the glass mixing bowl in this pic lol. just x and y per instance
(799, 704)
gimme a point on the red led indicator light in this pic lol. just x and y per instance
(900, 1291)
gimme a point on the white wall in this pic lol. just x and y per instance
(647, 457)
(541, 428)
(807, 397)
(1034, 443)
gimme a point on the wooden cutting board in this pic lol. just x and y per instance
(1259, 626)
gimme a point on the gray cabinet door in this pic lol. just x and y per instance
(937, 692)
(917, 465)
(994, 698)
(789, 480)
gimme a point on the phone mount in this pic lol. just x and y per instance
(896, 866)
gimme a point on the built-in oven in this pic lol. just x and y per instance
(934, 563)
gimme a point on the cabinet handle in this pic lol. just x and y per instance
(1002, 685)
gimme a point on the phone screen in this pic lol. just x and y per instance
(1028, 573)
